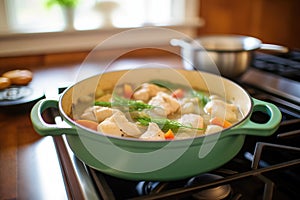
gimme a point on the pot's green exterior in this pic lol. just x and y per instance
(187, 165)
(136, 159)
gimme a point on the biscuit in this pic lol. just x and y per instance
(4, 83)
(19, 77)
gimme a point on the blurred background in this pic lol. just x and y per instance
(42, 32)
(273, 21)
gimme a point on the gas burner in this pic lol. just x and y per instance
(146, 187)
(155, 187)
(219, 192)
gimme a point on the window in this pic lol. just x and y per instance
(35, 16)
(32, 16)
(19, 17)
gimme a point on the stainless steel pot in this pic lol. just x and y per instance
(228, 55)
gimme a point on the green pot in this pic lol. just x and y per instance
(136, 159)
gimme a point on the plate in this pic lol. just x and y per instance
(17, 95)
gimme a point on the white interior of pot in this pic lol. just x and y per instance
(203, 81)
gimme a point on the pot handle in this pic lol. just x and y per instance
(45, 129)
(260, 129)
(186, 44)
(274, 47)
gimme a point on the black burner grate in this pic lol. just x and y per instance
(287, 65)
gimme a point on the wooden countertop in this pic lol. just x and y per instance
(29, 167)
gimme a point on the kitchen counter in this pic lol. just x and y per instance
(29, 166)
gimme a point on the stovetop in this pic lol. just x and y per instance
(277, 75)
(285, 65)
(265, 168)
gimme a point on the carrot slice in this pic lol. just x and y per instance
(127, 91)
(169, 135)
(220, 122)
(178, 93)
(88, 124)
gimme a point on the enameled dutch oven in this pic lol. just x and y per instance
(136, 159)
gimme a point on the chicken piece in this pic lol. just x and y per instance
(153, 133)
(164, 104)
(97, 113)
(126, 126)
(189, 105)
(101, 113)
(187, 108)
(213, 129)
(89, 114)
(109, 126)
(146, 92)
(118, 125)
(219, 108)
(192, 120)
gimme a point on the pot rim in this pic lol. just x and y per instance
(246, 43)
(73, 123)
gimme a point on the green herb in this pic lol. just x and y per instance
(168, 85)
(164, 124)
(203, 98)
(125, 104)
(103, 103)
